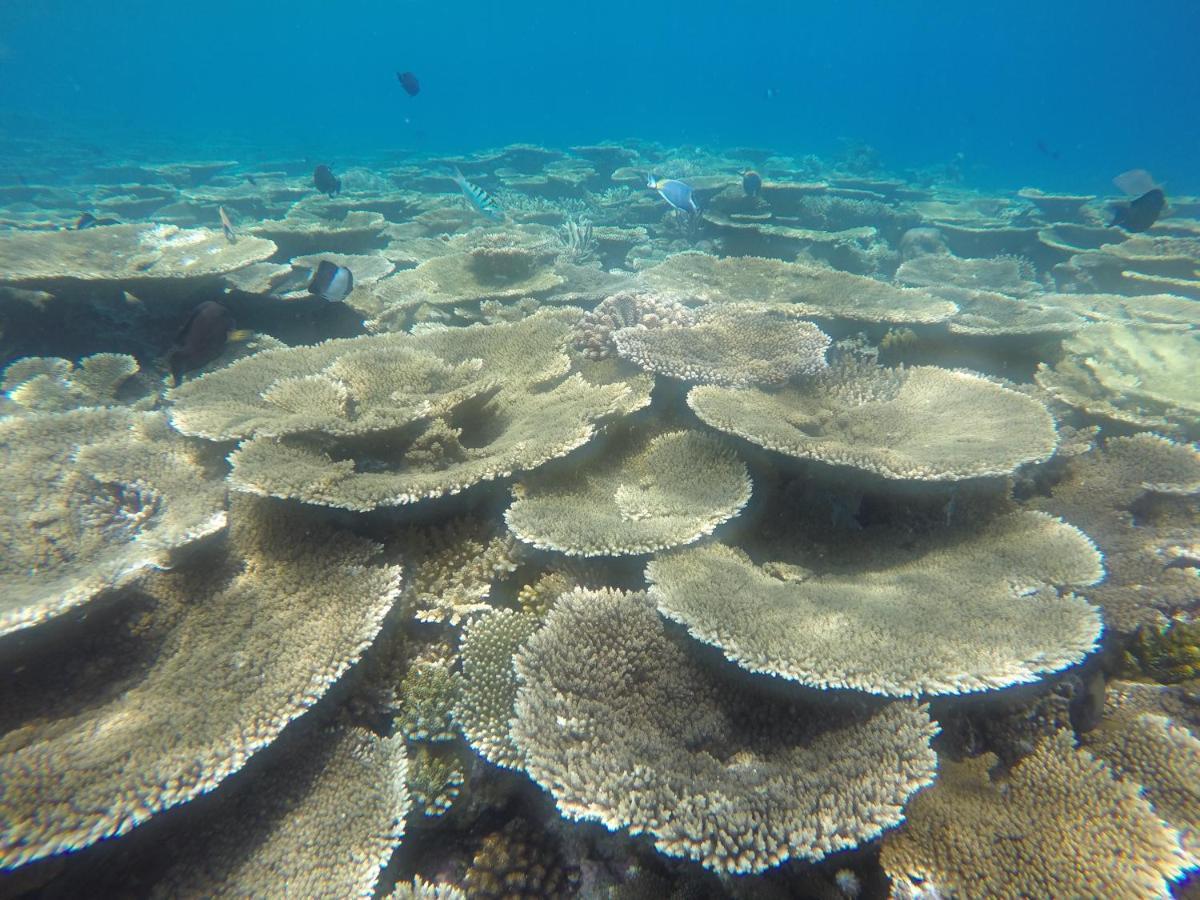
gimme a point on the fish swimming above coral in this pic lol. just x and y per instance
(678, 194)
(331, 282)
(410, 83)
(1147, 204)
(87, 220)
(201, 339)
(483, 202)
(227, 225)
(751, 183)
(326, 181)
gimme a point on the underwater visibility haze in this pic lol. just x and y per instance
(598, 450)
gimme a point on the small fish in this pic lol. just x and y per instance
(678, 194)
(483, 202)
(751, 183)
(250, 178)
(771, 93)
(1140, 213)
(226, 225)
(331, 282)
(325, 180)
(410, 83)
(87, 220)
(1046, 150)
(202, 338)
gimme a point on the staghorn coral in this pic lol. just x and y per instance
(123, 253)
(736, 344)
(452, 568)
(1139, 375)
(321, 823)
(489, 683)
(646, 493)
(428, 694)
(1059, 825)
(420, 889)
(94, 497)
(519, 863)
(622, 726)
(538, 412)
(1100, 491)
(957, 612)
(214, 686)
(593, 336)
(810, 290)
(49, 384)
(922, 423)
(434, 781)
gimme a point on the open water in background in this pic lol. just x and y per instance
(1105, 85)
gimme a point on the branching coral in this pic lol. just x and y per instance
(1059, 825)
(959, 612)
(489, 682)
(94, 496)
(642, 496)
(217, 683)
(922, 424)
(626, 309)
(622, 726)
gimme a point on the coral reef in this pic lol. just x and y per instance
(1059, 825)
(881, 621)
(642, 496)
(615, 720)
(734, 344)
(41, 384)
(215, 687)
(923, 423)
(95, 496)
(626, 309)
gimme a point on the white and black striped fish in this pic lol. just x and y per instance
(483, 202)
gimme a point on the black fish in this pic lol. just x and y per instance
(1140, 213)
(751, 183)
(331, 282)
(201, 339)
(409, 82)
(87, 220)
(326, 181)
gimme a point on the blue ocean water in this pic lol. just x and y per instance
(1061, 95)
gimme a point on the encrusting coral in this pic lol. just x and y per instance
(1058, 825)
(216, 686)
(920, 424)
(94, 497)
(644, 493)
(621, 726)
(737, 344)
(955, 612)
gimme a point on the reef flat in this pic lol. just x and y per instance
(500, 526)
